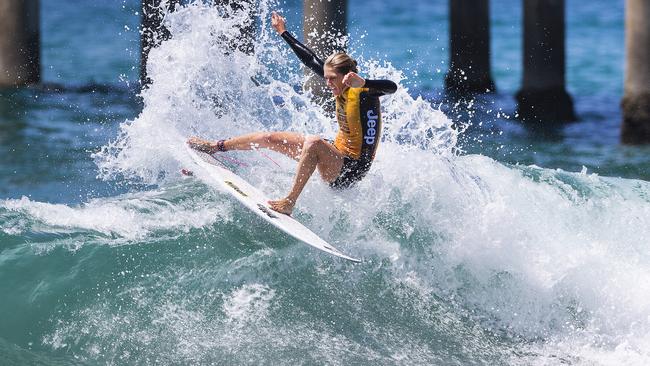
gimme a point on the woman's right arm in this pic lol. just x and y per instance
(306, 56)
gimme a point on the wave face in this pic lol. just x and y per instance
(465, 260)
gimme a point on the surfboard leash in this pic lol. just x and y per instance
(268, 157)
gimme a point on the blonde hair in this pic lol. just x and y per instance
(341, 63)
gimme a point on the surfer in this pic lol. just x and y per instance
(344, 161)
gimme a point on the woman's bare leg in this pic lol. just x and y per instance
(316, 153)
(311, 152)
(287, 143)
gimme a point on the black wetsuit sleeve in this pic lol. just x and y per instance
(306, 56)
(380, 87)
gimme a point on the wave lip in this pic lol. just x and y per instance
(132, 217)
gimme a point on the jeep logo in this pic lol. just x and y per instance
(371, 132)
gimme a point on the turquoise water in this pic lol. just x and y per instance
(500, 245)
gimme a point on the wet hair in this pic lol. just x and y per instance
(342, 63)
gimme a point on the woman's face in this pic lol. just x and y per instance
(334, 80)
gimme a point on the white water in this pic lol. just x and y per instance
(122, 219)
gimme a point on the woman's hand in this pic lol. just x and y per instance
(278, 23)
(353, 80)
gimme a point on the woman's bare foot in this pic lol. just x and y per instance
(200, 144)
(284, 206)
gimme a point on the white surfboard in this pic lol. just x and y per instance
(255, 200)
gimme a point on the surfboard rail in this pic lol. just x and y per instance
(253, 199)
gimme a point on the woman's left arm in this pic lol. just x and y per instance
(377, 87)
(381, 87)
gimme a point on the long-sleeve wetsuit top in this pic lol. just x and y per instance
(358, 110)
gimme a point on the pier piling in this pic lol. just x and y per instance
(152, 31)
(19, 43)
(325, 29)
(469, 43)
(636, 94)
(543, 96)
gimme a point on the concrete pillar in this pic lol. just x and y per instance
(20, 61)
(543, 96)
(469, 46)
(636, 94)
(152, 32)
(324, 26)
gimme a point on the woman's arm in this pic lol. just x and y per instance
(309, 58)
(380, 87)
(306, 56)
(377, 87)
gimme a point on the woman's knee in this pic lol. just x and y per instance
(313, 143)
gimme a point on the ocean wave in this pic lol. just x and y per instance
(465, 260)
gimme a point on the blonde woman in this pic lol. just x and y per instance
(346, 160)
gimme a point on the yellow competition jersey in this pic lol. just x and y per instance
(359, 118)
(357, 109)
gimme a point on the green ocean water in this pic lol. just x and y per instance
(501, 245)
